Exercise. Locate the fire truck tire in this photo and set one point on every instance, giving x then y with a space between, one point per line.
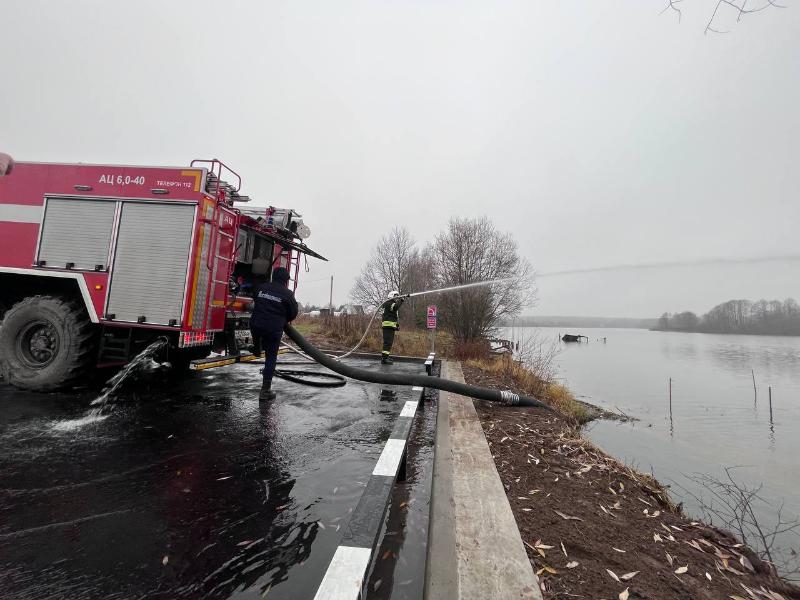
46 343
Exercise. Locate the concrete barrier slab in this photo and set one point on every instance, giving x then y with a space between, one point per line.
475 549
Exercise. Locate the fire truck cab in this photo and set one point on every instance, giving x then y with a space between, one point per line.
97 262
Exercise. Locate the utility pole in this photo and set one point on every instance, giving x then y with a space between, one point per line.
330 304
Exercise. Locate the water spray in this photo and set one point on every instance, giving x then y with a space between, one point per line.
457 287
675 263
411 295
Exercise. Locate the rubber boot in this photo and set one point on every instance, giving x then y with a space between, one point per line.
266 393
386 360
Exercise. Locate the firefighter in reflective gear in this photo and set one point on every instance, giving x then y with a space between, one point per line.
391 323
275 306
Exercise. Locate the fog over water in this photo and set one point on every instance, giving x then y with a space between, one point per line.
651 290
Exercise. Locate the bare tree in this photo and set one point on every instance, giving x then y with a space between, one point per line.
472 250
388 268
419 277
737 8
737 508
6 164
538 355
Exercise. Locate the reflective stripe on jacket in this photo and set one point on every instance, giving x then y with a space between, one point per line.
390 312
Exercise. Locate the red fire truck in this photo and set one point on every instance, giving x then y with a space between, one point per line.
97 262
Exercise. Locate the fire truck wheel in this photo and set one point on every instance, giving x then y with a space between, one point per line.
46 343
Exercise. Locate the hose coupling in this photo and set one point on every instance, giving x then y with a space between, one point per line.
509 398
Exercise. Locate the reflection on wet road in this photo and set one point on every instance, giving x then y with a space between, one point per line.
187 488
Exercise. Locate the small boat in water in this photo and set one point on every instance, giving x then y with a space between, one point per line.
500 346
568 337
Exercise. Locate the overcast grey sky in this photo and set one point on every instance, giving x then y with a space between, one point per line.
598 133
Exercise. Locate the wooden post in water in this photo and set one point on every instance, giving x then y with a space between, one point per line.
770 404
670 398
755 391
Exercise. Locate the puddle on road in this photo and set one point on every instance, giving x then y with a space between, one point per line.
188 488
142 362
73 424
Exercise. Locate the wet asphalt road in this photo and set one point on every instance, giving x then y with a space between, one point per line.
186 487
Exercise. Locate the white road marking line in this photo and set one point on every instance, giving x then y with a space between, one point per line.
409 408
389 460
345 574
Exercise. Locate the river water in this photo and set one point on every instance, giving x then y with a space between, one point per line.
717 421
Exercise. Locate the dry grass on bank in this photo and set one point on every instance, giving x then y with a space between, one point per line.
345 331
533 379
307 326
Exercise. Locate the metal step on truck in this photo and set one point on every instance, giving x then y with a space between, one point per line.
97 262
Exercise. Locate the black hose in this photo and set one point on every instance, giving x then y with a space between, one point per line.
504 397
300 377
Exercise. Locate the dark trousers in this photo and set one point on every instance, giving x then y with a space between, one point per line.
388 340
269 343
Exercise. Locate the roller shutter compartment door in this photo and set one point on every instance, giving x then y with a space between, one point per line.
76 231
151 262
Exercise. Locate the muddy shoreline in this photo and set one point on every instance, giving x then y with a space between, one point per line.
594 528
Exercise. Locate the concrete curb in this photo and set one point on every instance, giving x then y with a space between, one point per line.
350 566
474 549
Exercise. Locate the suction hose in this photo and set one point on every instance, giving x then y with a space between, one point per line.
503 397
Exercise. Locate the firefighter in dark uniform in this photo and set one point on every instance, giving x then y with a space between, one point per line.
391 323
275 306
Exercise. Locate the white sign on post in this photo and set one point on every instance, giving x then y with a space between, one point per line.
432 314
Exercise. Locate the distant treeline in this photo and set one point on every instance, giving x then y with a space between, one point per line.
544 321
765 317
